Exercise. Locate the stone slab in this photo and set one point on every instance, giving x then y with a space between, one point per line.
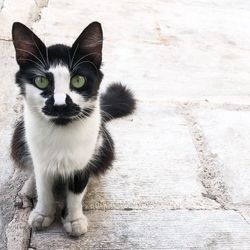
228 136
156 164
13 12
165 49
156 229
81 13
1 4
8 100
9 109
8 194
18 231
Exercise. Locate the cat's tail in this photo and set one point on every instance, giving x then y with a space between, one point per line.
117 101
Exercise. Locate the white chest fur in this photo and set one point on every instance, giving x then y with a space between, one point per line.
61 149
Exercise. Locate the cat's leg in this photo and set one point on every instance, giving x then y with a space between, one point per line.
29 188
74 221
44 212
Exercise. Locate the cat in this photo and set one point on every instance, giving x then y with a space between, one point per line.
62 134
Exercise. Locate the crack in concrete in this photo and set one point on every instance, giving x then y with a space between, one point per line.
210 176
6 39
1 5
244 218
36 13
8 194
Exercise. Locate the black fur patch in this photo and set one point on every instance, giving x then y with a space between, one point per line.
62 111
59 54
117 101
83 114
61 121
64 212
106 154
19 148
79 181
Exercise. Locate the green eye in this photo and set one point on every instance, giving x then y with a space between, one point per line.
41 82
78 81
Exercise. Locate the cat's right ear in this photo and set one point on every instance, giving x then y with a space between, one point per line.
89 44
29 48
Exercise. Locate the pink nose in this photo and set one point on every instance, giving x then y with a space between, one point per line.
59 98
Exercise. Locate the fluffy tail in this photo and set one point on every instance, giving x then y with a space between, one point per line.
117 101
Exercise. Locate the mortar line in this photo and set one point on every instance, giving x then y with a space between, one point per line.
198 104
241 215
210 176
2 39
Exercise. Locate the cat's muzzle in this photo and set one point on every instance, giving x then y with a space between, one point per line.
66 109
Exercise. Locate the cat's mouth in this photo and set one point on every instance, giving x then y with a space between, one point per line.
62 111
64 114
62 120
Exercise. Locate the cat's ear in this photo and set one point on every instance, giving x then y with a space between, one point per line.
29 48
89 44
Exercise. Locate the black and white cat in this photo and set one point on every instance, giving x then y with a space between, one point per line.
62 133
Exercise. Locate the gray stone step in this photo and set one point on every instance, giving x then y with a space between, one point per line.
228 136
156 164
157 229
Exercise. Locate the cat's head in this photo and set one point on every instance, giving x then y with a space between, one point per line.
59 82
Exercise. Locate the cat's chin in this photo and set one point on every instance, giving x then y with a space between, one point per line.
61 121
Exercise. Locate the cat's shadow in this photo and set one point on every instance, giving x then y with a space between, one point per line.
96 197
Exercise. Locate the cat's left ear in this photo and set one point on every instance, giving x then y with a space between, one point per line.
29 48
89 44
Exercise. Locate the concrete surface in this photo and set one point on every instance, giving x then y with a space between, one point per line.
172 48
1 4
141 230
132 182
228 136
181 178
9 182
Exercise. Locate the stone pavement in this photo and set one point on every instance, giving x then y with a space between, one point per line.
182 175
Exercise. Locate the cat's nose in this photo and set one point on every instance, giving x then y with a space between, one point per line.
61 99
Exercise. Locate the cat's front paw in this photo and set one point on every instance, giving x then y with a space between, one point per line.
39 221
76 227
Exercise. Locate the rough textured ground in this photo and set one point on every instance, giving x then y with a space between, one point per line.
182 175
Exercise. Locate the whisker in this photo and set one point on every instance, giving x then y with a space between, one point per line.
92 164
39 66
72 60
93 44
105 133
39 51
76 64
32 55
47 56
106 116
